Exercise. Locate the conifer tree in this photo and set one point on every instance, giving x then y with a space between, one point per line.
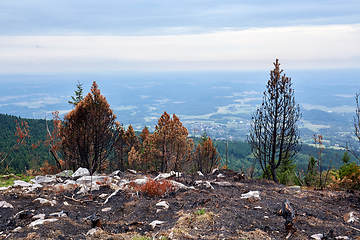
88 132
273 129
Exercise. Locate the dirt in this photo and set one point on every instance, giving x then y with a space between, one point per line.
199 213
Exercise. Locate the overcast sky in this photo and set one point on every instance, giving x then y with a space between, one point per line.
48 36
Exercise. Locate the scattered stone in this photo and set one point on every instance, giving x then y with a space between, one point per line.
80 173
156 223
167 175
4 204
24 214
350 217
220 175
223 184
266 217
43 179
42 221
251 194
106 209
58 214
163 204
200 173
206 184
4 188
45 201
214 171
342 237
132 171
258 207
17 229
103 195
65 173
39 216
93 231
318 236
117 173
20 183
66 203
111 195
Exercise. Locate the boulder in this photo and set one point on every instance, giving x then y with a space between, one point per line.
251 194
42 221
20 183
43 179
80 173
4 204
65 173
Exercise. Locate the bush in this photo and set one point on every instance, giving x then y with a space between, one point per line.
155 188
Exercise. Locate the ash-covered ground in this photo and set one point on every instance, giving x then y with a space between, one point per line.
222 205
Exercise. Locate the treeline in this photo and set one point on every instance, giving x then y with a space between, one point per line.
35 152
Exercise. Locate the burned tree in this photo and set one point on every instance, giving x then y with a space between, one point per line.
88 132
273 129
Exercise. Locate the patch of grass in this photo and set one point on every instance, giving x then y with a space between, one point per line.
200 212
164 238
8 180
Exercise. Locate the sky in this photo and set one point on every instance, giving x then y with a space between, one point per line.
67 36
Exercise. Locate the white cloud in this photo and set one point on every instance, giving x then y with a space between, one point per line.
124 108
306 47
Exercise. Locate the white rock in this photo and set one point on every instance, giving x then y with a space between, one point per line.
214 170
42 221
93 231
20 183
140 181
106 209
220 175
45 201
111 195
4 188
200 173
207 184
86 188
350 217
4 204
58 214
318 236
66 203
132 171
164 175
266 217
39 216
342 237
258 207
81 172
103 195
163 204
179 185
251 194
43 179
94 179
65 173
156 223
17 229
223 184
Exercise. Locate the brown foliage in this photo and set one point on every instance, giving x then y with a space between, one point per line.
206 156
88 132
171 141
155 188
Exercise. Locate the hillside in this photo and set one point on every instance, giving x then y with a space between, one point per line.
239 153
222 205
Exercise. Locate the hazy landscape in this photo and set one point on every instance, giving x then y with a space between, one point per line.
220 103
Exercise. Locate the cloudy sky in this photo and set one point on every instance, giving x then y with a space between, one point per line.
49 36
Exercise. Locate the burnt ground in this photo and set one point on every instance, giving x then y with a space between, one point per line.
200 213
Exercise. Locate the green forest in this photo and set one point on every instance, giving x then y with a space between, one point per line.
34 153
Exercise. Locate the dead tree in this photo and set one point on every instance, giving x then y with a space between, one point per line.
273 129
